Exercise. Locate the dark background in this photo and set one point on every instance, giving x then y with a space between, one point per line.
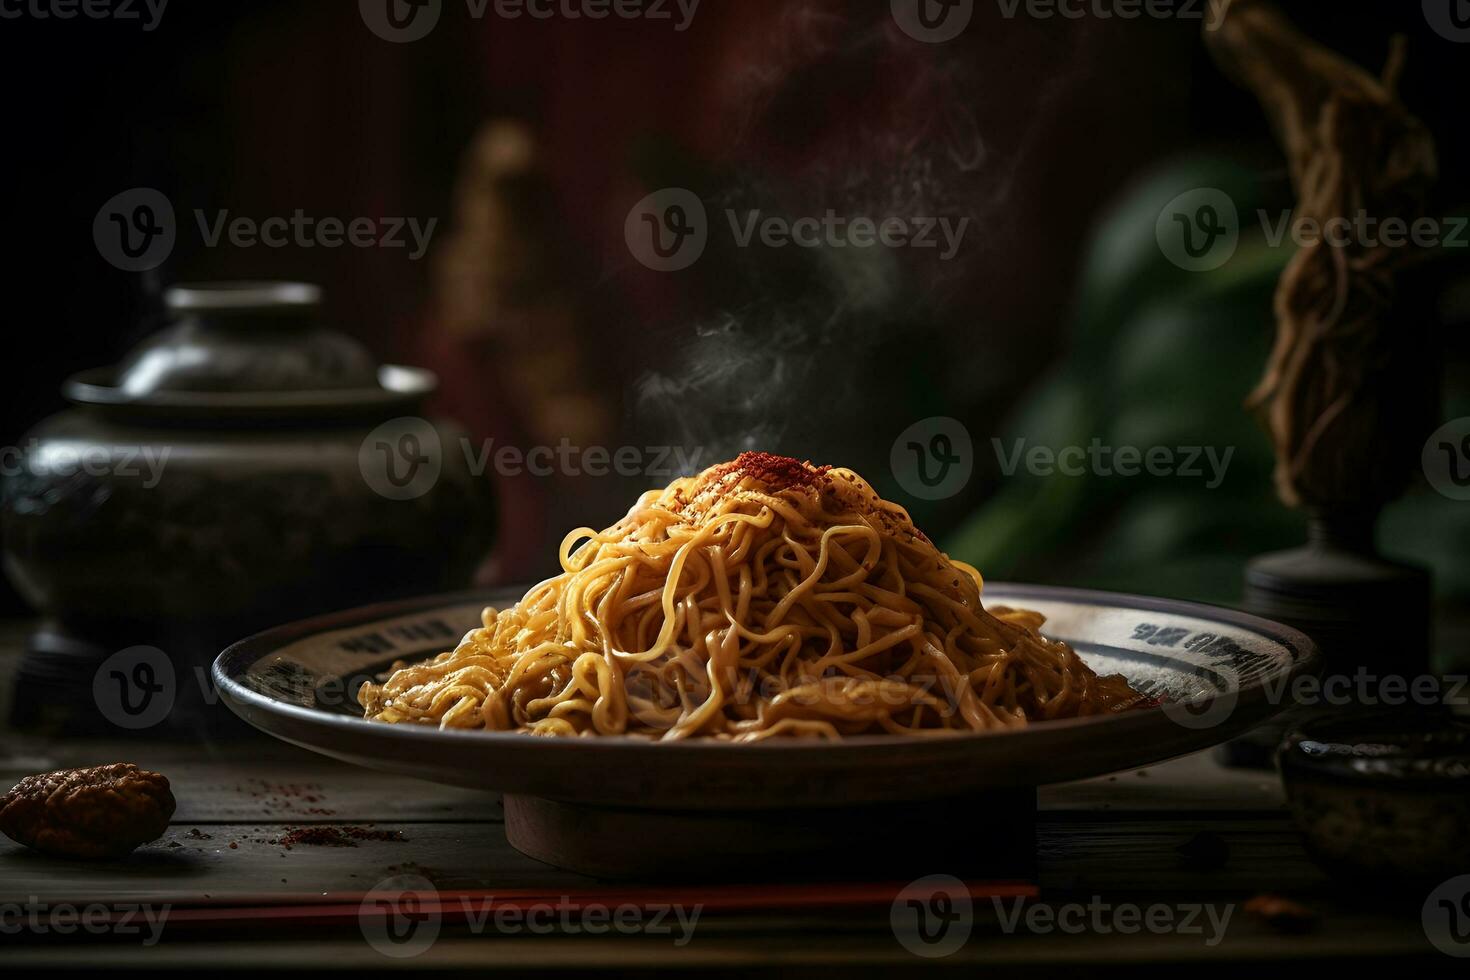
266 107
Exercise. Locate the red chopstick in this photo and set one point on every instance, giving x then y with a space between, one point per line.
456 905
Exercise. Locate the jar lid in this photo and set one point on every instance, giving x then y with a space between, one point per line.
251 349
242 296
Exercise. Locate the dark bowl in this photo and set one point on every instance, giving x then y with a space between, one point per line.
1384 794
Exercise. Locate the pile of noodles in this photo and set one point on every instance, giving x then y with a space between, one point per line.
763 597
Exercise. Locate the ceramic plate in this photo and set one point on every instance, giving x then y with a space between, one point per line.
1214 671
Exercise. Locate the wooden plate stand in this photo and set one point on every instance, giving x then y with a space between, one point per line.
991 836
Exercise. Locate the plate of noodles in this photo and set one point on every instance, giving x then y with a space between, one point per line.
765 633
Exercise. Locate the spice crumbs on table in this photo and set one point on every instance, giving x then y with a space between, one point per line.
335 836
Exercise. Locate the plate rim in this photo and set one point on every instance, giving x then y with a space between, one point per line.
245 702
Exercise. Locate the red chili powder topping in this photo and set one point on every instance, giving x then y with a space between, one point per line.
777 473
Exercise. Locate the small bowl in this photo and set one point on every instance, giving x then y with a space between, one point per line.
1383 794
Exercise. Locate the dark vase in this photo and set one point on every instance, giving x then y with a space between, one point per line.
244 467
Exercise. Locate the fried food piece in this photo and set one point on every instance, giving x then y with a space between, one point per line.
100 812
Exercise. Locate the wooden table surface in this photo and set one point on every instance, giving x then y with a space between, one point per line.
1181 835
